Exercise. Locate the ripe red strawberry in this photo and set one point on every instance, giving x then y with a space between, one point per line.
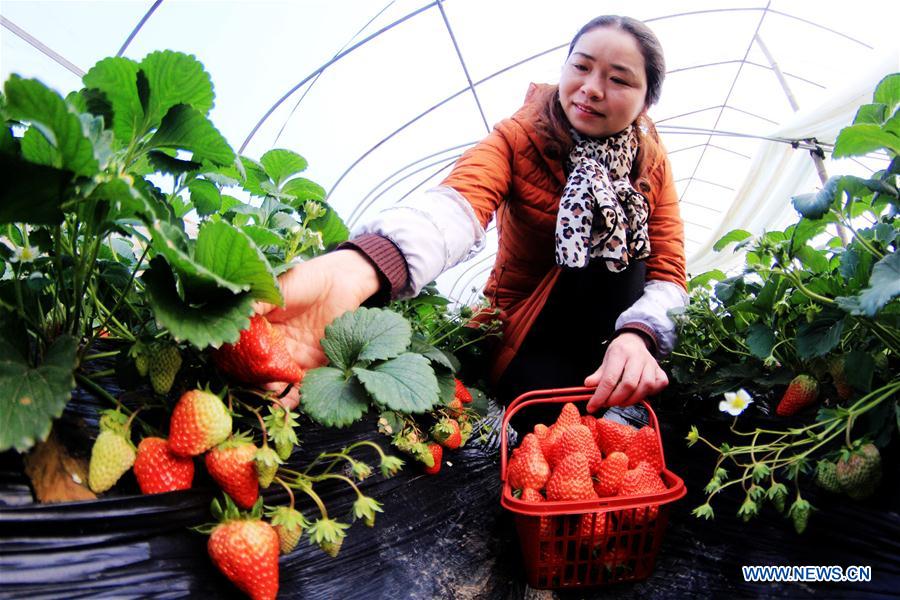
259 356
612 471
643 479
531 495
437 452
569 415
577 438
111 456
590 421
446 432
527 468
545 528
199 421
613 436
461 393
158 469
246 551
859 473
571 479
592 527
801 392
548 444
163 365
644 446
231 464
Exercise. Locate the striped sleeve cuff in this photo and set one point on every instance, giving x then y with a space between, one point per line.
645 331
388 261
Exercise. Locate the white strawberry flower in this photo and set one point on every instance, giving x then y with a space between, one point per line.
24 254
736 402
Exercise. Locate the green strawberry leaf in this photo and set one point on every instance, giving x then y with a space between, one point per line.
813 260
116 77
888 92
186 128
435 355
333 229
819 337
213 323
230 253
815 205
703 278
280 164
34 195
171 242
68 147
446 386
735 235
871 113
303 189
760 340
263 237
205 197
33 395
365 334
858 140
222 257
859 368
332 398
884 285
254 176
175 78
405 383
126 201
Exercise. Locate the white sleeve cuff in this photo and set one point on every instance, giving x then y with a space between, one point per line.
434 230
652 309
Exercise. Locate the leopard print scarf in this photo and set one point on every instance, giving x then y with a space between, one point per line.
600 214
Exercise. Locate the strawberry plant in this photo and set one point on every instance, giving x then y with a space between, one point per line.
132 235
811 325
119 224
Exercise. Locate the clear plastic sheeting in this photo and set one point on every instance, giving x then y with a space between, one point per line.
381 97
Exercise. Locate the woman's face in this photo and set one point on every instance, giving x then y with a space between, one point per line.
603 87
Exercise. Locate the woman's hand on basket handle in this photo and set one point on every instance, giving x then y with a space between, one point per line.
628 374
316 292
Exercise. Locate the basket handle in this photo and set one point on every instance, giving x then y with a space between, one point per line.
572 394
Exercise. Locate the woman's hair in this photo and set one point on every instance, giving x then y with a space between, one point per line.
554 126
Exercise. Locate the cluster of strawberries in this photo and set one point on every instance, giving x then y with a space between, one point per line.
201 424
451 431
243 546
581 457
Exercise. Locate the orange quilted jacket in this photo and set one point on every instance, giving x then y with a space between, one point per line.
509 173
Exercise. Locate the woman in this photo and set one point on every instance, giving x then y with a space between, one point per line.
591 250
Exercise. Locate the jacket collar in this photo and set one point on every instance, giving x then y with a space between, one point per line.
526 117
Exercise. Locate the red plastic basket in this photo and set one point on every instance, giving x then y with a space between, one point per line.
587 543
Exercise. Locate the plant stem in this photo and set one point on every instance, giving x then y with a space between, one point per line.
99 391
349 481
305 485
122 295
862 241
287 489
100 355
